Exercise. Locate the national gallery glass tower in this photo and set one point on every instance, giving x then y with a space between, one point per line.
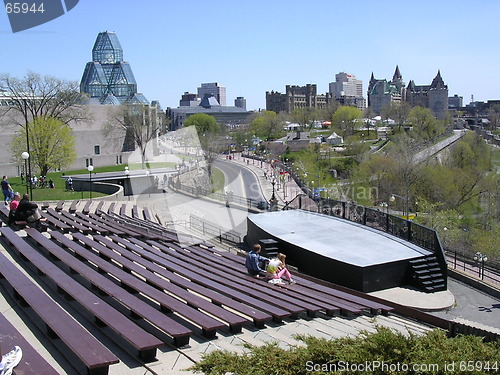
108 78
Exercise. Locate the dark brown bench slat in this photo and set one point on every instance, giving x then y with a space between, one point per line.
111 208
259 290
95 356
73 206
119 228
178 267
106 247
32 363
258 316
208 324
178 332
59 205
99 206
56 222
86 208
331 307
135 211
123 209
143 342
146 214
68 221
84 222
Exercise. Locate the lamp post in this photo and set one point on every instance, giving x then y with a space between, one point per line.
125 183
273 201
406 206
90 168
26 156
480 259
28 173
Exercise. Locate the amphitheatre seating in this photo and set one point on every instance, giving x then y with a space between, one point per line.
135 211
278 309
68 221
234 321
86 208
65 228
258 317
135 306
131 283
111 208
55 321
146 214
32 363
59 205
144 343
73 206
99 206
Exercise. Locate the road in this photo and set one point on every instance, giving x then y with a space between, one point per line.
241 181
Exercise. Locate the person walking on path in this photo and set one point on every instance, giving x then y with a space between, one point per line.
254 262
8 194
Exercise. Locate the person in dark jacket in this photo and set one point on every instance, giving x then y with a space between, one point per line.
27 211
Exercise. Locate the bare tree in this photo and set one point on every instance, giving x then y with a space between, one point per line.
137 125
34 96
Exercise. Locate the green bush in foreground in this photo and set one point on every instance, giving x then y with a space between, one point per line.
382 352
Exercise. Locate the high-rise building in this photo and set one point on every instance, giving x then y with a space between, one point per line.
348 90
107 77
240 102
214 89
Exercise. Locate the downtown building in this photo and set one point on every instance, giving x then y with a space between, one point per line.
347 90
383 93
296 97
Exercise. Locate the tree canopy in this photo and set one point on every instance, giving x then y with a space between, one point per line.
344 119
46 97
52 144
267 125
204 123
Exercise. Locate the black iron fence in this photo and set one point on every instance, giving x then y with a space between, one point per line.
212 230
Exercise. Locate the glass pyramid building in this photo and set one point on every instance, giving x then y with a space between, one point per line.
107 77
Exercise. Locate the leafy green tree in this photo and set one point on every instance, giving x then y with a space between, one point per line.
305 116
345 119
52 144
204 123
267 125
425 125
209 135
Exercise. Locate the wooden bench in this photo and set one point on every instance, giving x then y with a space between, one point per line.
123 209
144 343
111 208
135 306
146 214
167 303
179 267
84 222
119 229
32 363
259 318
65 228
135 211
57 322
73 206
242 281
68 221
86 208
106 248
59 205
99 206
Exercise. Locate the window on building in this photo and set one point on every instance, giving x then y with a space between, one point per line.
97 150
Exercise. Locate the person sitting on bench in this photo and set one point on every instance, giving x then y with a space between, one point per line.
27 211
276 269
255 261
14 203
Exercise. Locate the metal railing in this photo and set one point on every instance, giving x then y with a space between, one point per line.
223 235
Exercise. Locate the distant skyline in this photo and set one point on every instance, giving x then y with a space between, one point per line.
252 47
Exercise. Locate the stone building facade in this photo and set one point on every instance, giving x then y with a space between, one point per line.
296 97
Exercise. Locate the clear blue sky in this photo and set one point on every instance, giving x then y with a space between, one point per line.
256 46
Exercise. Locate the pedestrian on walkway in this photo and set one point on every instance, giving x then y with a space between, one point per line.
255 262
8 194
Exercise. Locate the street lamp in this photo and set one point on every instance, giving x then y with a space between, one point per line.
90 168
26 156
273 201
406 206
480 259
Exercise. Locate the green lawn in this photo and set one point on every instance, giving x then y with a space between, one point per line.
60 192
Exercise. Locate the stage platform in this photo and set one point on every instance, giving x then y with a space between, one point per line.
337 250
